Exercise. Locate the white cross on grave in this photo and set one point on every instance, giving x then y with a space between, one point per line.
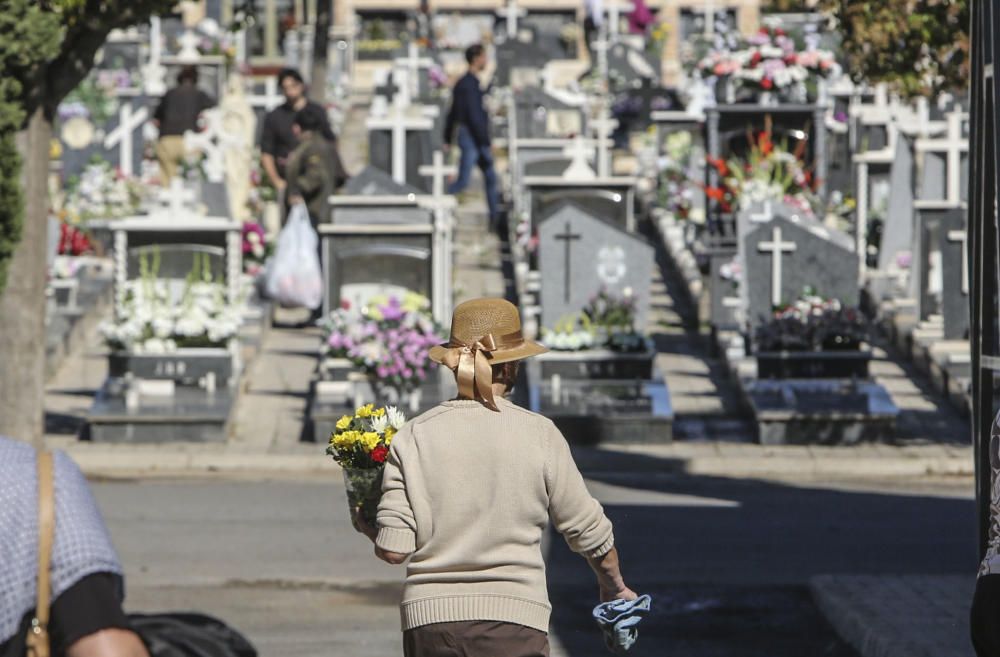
511 12
271 98
121 136
776 248
412 64
212 141
438 171
954 144
176 198
604 126
154 73
614 16
580 153
398 122
601 46
962 237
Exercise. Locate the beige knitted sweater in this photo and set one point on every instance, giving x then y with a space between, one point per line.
468 492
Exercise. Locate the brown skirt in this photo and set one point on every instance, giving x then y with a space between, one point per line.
475 639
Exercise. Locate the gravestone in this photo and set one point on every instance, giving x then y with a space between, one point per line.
373 197
897 234
513 58
401 142
580 254
782 256
541 115
556 33
955 276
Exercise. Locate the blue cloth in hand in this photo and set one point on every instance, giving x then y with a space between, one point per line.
619 621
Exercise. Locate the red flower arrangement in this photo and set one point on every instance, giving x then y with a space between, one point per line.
73 241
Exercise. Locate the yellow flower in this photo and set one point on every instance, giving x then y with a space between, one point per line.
389 433
369 440
378 412
346 440
365 411
344 422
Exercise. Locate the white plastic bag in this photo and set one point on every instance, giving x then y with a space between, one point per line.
294 277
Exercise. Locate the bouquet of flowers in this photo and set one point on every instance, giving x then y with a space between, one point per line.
607 321
676 189
770 172
101 192
256 247
360 445
388 339
813 323
155 321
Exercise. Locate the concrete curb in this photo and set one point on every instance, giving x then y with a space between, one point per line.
706 459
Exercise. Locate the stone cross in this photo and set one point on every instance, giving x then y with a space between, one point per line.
398 122
954 144
604 126
412 63
614 13
568 236
776 248
511 12
128 122
962 237
209 142
580 153
601 46
271 98
154 73
438 171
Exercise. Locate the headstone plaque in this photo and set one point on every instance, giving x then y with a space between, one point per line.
580 254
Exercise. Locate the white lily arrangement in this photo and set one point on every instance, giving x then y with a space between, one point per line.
159 321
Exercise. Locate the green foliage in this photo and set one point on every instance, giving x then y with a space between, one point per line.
46 48
917 47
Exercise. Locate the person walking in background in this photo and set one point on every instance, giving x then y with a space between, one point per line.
86 617
176 114
468 115
314 170
278 140
469 488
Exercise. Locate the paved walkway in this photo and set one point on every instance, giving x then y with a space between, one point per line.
901 615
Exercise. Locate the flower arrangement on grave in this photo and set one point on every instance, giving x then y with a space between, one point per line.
656 39
100 192
73 240
375 37
155 321
676 189
256 248
813 323
769 61
95 97
388 339
360 445
770 172
63 269
606 321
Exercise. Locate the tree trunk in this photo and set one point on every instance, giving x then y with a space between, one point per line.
321 41
22 304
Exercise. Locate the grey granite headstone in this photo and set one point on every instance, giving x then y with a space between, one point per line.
802 253
361 266
580 254
897 235
514 54
216 199
420 146
555 166
955 275
373 181
930 269
533 109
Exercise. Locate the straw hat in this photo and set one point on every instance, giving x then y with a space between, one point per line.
484 332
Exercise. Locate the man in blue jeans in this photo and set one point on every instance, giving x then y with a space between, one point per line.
469 115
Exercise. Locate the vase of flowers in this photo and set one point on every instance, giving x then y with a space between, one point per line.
360 445
387 340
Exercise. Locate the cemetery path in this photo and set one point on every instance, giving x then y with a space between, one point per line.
706 405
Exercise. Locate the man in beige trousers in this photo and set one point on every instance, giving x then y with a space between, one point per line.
468 490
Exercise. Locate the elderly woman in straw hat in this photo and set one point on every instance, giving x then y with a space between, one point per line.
469 488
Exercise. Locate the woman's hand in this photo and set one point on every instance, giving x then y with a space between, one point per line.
362 525
624 593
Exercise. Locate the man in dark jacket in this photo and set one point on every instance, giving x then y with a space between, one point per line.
314 170
176 114
469 115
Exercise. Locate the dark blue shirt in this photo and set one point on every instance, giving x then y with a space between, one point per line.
467 109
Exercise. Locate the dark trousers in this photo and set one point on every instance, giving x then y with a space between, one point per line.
475 639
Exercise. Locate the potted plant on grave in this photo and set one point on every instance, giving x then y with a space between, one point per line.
159 332
813 338
387 341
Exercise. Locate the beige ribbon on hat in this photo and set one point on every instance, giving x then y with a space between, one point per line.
472 366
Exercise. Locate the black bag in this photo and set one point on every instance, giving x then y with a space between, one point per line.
189 635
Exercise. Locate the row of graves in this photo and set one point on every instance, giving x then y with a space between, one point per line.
171 269
756 209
